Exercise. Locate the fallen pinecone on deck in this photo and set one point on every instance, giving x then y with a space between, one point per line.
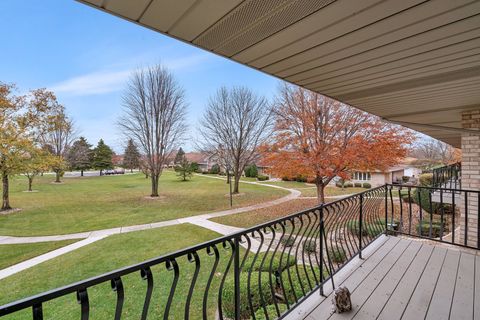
341 300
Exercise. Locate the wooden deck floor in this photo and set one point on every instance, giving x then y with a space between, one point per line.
408 279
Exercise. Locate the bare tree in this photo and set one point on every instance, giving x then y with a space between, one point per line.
57 136
436 150
154 117
235 123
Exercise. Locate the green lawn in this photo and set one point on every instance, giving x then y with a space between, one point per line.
331 191
11 254
252 218
309 190
114 252
92 203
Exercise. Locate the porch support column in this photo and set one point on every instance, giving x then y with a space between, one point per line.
470 176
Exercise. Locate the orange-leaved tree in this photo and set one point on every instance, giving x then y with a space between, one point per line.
320 138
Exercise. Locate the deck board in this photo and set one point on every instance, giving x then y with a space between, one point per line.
366 287
442 297
462 304
397 302
410 279
323 311
374 303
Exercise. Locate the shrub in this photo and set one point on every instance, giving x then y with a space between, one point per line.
271 311
228 294
426 179
348 185
367 185
339 184
301 178
286 179
296 284
405 179
436 229
337 254
195 167
215 169
288 241
251 171
368 229
358 185
309 246
262 178
286 262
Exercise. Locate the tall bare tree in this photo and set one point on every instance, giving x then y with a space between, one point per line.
58 136
154 117
235 124
436 150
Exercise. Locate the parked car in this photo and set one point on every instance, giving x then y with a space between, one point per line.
119 171
109 172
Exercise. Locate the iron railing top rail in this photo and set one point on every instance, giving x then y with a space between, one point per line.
115 274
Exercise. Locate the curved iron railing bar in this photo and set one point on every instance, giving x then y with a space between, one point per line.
171 265
308 228
249 276
272 228
247 251
289 276
117 286
192 258
311 234
262 263
278 272
227 268
301 244
37 312
82 298
210 277
146 274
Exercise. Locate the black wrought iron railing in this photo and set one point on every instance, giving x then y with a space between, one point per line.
448 176
259 273
448 215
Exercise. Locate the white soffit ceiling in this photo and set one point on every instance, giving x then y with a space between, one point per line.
411 61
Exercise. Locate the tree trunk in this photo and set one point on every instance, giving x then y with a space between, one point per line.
155 178
131 170
57 176
81 173
30 182
5 197
320 192
236 184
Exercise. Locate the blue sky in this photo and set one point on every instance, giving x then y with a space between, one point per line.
85 56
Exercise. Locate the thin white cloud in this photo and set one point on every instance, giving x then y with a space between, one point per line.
107 81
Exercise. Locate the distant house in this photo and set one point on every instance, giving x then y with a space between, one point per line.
395 174
204 161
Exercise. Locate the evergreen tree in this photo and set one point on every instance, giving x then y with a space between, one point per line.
179 158
184 169
79 156
102 157
131 158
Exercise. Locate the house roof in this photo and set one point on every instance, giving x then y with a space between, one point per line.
198 157
413 62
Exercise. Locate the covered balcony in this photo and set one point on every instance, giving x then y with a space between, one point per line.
404 252
398 252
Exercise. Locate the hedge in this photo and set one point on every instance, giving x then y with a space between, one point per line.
228 294
287 261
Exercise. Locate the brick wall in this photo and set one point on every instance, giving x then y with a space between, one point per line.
470 175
